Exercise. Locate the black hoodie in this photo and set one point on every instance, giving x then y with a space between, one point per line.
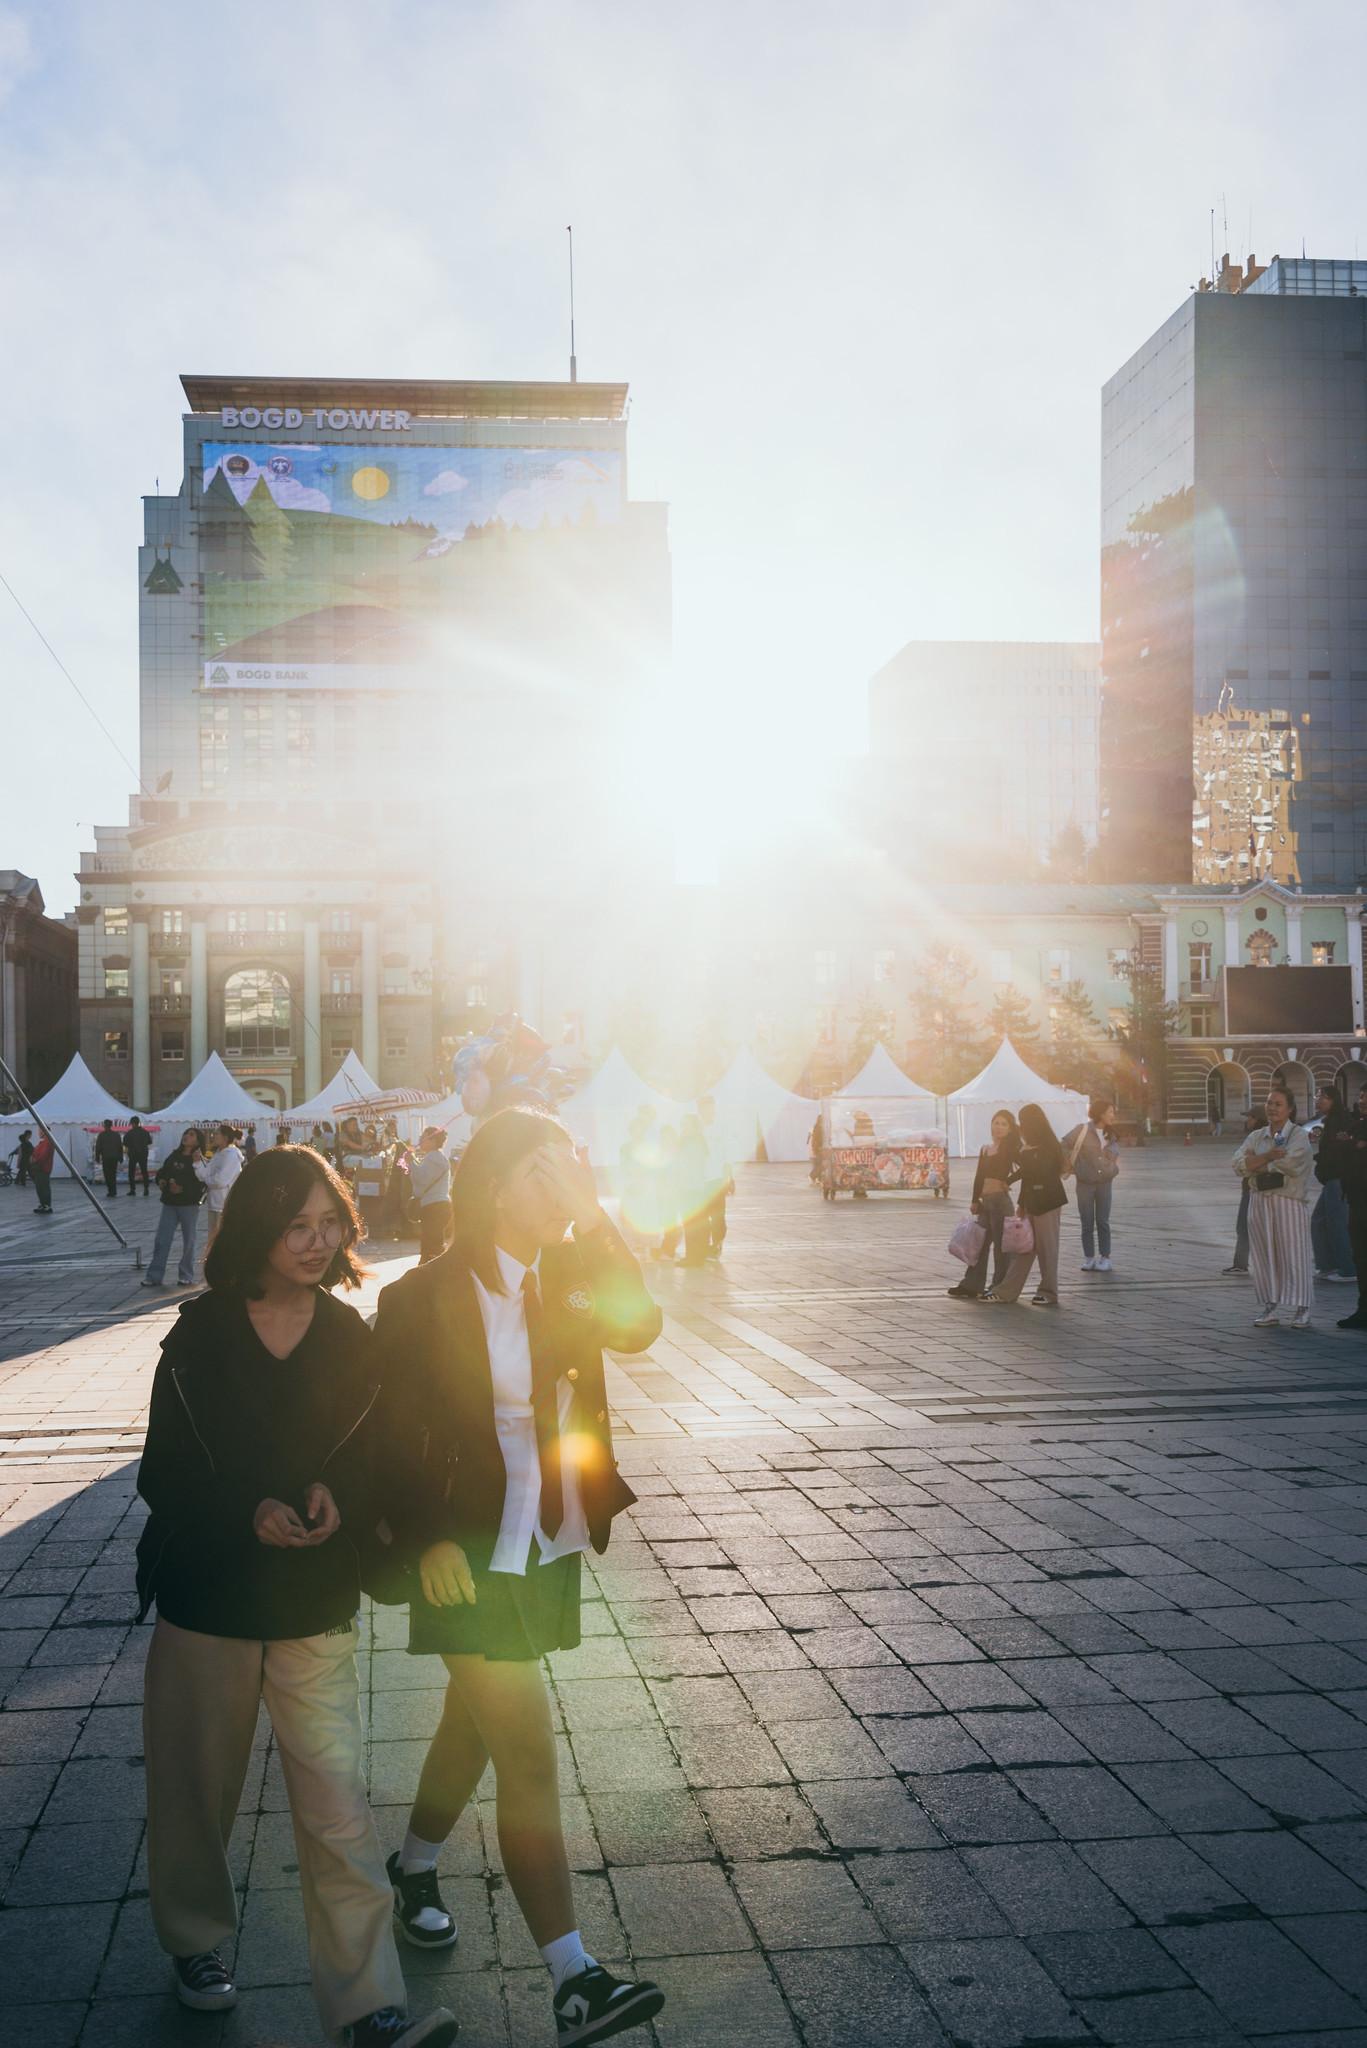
231 1426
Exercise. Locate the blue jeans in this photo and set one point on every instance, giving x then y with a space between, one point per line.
1329 1232
1094 1214
173 1217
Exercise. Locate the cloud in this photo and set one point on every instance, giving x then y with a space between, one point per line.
17 54
571 485
447 481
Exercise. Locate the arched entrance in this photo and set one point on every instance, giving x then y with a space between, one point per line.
1228 1092
1350 1080
269 1094
1297 1077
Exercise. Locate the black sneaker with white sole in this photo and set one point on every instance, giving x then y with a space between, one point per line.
204 1982
421 1917
392 2028
595 2004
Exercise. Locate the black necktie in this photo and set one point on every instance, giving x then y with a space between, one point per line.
545 1408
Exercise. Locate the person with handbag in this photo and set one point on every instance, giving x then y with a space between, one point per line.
265 1492
1092 1152
991 1204
1277 1166
1038 1173
495 1408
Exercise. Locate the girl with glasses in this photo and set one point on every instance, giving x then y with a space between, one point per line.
496 1412
259 1474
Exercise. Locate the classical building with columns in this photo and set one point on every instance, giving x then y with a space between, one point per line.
398 646
37 986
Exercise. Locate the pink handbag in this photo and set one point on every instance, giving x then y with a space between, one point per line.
968 1240
1018 1237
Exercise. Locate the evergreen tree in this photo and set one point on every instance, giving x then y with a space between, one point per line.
1142 1036
1076 1036
1010 1017
945 1035
874 1024
1067 860
271 540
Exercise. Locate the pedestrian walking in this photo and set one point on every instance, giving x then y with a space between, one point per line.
1329 1237
1092 1154
496 1412
24 1150
137 1149
991 1204
1348 1155
42 1159
248 1146
1254 1120
1277 1166
216 1172
181 1195
1038 1173
108 1155
720 1183
260 1476
429 1176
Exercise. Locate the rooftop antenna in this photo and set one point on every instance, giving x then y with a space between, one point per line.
574 362
1212 248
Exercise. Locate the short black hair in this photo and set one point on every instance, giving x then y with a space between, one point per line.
268 1193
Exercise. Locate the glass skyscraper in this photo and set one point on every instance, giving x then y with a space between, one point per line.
1234 585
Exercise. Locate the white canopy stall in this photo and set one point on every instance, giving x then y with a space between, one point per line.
213 1097
350 1079
880 1075
1006 1082
752 1105
73 1109
600 1114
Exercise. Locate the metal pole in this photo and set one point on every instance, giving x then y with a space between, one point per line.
79 1179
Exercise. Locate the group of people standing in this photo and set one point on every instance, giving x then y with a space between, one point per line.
673 1184
1019 1198
1282 1242
457 1458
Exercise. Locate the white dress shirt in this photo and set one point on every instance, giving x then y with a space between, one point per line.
510 1365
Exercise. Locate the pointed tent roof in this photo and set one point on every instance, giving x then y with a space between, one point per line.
881 1075
350 1081
751 1103
214 1093
77 1098
600 1113
1007 1078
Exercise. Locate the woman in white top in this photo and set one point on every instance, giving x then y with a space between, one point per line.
218 1170
495 1418
1278 1166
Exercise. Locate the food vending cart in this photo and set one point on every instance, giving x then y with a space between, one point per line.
880 1144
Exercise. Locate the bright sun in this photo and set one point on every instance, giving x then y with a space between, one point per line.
370 483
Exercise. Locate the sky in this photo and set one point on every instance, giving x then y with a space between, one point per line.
865 267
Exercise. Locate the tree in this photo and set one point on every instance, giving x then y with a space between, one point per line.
1010 1017
1076 1036
271 540
1067 860
874 1024
1142 1035
944 1033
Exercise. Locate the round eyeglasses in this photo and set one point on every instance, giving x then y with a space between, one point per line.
301 1237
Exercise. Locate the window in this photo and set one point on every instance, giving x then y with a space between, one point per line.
238 920
173 924
172 981
477 995
213 748
116 923
256 1013
341 981
1119 958
999 964
1058 966
827 1024
396 1045
1118 1020
116 981
339 920
1261 947
173 1045
300 741
116 1045
338 1048
823 967
1199 956
277 920
258 746
883 963
396 981
1321 952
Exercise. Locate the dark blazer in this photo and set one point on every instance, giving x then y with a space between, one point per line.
436 1408
1037 1171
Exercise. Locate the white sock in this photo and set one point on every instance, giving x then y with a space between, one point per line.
565 1957
418 1855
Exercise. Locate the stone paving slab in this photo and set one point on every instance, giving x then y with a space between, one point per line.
974 1677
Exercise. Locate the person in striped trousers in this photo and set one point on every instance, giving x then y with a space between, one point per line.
1278 1167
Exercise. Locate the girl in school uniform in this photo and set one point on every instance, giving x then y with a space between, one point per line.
495 1407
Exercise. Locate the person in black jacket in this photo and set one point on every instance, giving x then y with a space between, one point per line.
108 1153
495 1409
181 1194
261 1477
137 1149
991 1204
1343 1152
1039 1174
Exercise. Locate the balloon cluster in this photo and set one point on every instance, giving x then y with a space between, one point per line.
509 1064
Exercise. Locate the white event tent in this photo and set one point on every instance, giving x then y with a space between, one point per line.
350 1079
213 1097
880 1075
1006 1082
73 1110
600 1114
752 1105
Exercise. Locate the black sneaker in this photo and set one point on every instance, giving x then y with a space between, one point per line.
390 2028
418 1909
203 1982
1356 1321
595 2004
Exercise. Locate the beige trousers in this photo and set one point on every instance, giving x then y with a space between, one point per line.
1046 1251
199 1717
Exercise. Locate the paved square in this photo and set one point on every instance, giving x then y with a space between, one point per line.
963 1675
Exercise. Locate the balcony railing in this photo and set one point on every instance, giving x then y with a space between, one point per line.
1200 991
340 1005
344 943
255 942
169 1006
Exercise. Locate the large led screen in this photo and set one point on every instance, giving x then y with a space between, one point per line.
336 567
1288 1002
